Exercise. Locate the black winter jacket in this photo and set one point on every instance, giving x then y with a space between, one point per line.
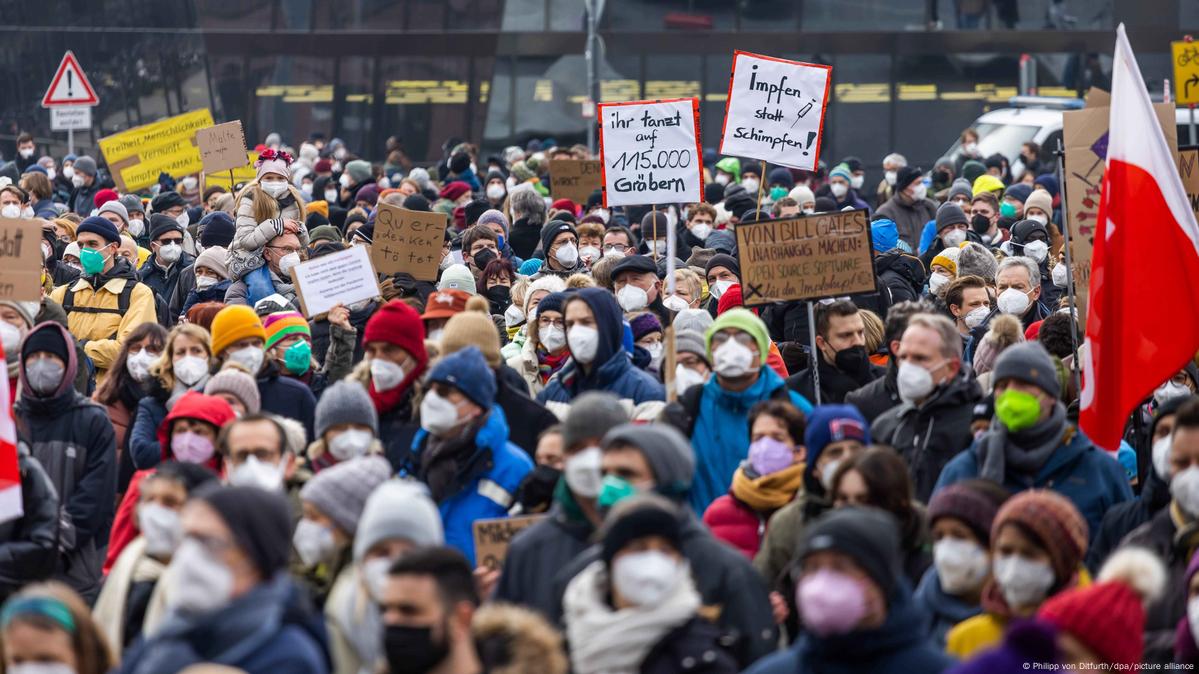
695 647
1122 518
876 397
27 543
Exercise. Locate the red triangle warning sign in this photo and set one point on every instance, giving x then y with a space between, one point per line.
69 86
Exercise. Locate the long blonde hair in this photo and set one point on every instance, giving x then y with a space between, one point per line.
163 369
265 206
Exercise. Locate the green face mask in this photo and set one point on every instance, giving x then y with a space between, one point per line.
613 490
1017 410
1007 210
777 193
92 261
298 357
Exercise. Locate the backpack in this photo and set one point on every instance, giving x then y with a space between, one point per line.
68 304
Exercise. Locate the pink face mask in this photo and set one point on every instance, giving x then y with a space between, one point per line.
768 455
190 447
831 603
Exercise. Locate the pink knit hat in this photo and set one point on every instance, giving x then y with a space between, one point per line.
273 161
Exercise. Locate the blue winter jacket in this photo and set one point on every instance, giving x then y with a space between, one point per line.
144 448
721 433
616 375
899 646
488 491
941 611
286 397
1078 470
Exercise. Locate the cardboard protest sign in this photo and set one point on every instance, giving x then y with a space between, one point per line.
343 277
136 157
408 241
775 110
575 179
222 147
650 152
20 259
805 258
1084 136
1188 170
493 536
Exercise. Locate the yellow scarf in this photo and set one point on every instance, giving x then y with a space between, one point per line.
769 492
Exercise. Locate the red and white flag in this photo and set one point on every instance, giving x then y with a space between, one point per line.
10 473
1141 326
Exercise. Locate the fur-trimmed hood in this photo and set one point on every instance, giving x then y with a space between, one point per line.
515 640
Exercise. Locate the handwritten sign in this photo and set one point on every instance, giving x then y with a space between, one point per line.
222 147
650 152
775 110
20 260
576 179
1188 170
805 258
136 157
493 536
242 173
408 241
343 277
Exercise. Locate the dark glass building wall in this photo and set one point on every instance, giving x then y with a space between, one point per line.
500 72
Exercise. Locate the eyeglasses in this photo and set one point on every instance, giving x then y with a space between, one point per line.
743 338
618 247
167 242
285 249
547 322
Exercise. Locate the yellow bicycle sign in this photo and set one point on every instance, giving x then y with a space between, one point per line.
1185 56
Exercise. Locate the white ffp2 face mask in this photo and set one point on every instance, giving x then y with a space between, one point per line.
200 582
732 359
962 566
249 357
1012 301
632 298
1024 582
385 375
646 578
584 343
582 472
438 415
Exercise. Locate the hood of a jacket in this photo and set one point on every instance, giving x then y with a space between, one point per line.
910 268
609 321
195 405
69 372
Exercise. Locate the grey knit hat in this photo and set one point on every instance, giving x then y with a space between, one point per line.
85 164
398 509
698 320
345 402
592 415
950 214
690 341
117 207
1030 363
665 449
238 384
28 310
960 187
340 491
132 204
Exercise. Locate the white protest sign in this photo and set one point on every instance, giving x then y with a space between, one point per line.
775 110
650 152
343 277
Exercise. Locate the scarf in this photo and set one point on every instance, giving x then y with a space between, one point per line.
767 493
351 611
386 401
548 364
1024 452
604 640
444 460
132 566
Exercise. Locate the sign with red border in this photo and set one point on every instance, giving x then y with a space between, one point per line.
70 85
650 152
775 110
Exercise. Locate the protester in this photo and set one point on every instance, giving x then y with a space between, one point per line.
47 628
182 366
428 603
394 340
843 362
125 386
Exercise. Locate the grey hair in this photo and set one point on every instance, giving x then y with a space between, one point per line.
896 158
1034 272
951 341
528 204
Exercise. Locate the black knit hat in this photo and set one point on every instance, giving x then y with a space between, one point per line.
721 260
165 200
162 224
868 536
260 522
417 202
907 175
551 230
47 339
216 229
474 209
638 517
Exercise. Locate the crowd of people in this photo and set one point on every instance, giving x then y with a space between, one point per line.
211 477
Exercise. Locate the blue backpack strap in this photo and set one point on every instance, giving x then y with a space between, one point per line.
258 285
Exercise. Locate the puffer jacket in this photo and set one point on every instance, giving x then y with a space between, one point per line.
902 274
737 524
527 366
909 216
27 543
72 438
929 435
485 483
163 281
265 282
251 236
96 319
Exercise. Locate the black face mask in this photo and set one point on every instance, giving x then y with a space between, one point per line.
412 650
853 360
981 224
483 257
537 489
499 297
941 177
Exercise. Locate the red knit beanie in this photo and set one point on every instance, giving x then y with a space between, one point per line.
399 324
730 299
1109 617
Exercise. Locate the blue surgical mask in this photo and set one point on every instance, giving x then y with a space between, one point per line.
500 241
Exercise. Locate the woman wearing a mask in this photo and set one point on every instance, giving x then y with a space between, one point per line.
126 384
766 481
130 583
394 340
544 350
636 609
495 283
266 208
347 426
960 517
188 435
647 337
182 366
48 630
212 278
73 440
1038 541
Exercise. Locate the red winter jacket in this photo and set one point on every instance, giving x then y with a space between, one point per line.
736 524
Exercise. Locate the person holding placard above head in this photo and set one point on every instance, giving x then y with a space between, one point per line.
108 301
267 208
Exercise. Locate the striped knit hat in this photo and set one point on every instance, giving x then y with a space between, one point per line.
283 323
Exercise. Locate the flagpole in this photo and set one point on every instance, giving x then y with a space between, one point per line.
1074 364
